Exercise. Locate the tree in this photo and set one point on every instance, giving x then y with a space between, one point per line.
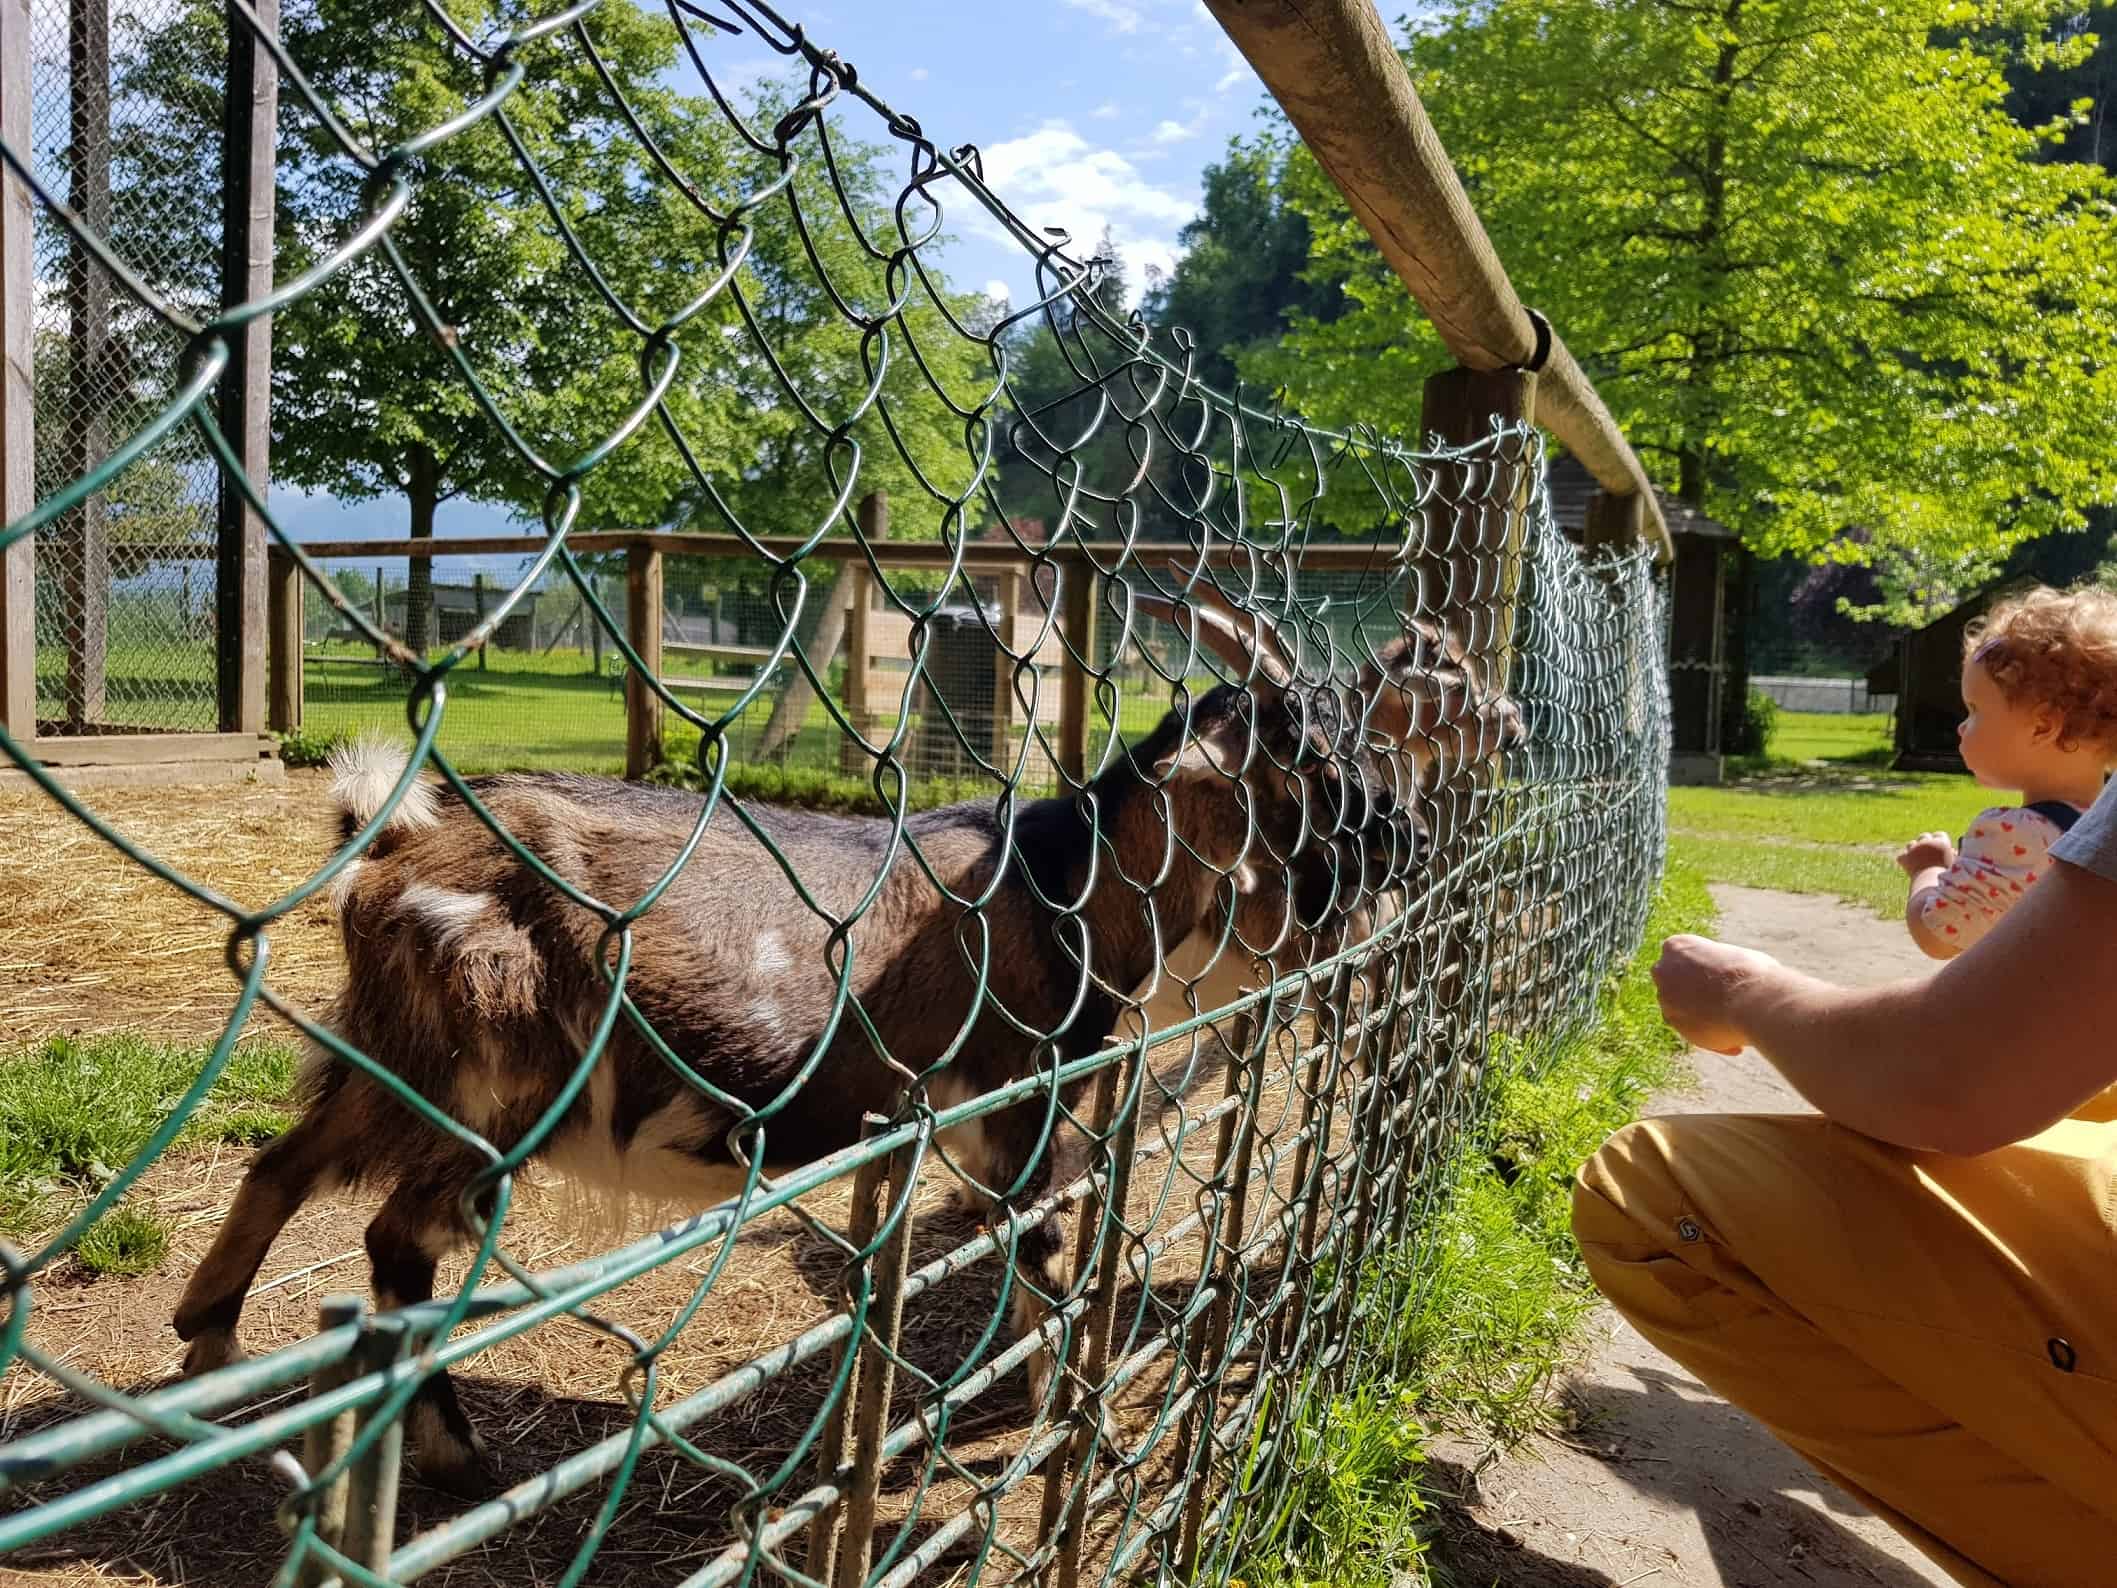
1821 278
368 402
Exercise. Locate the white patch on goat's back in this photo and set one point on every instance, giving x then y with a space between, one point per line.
447 912
342 885
772 956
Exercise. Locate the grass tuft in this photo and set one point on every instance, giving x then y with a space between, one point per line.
127 1241
76 1110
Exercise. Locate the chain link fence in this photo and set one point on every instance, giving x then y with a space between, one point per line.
1038 1166
126 623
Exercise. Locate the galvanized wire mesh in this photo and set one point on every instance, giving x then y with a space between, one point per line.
126 623
1201 1030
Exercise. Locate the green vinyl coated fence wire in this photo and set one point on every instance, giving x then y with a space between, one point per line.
748 331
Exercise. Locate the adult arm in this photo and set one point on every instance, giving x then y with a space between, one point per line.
2001 1042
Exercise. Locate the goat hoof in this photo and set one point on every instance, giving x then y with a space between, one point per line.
215 1348
448 1452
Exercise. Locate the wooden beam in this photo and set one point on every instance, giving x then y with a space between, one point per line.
250 133
873 516
145 749
18 269
1334 69
1349 556
284 649
643 631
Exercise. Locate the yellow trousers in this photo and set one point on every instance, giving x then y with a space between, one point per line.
1938 1336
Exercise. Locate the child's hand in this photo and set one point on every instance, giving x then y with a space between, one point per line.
1926 851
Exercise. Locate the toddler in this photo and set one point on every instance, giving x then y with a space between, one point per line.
2040 704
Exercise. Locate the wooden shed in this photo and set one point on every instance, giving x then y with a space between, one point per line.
1925 673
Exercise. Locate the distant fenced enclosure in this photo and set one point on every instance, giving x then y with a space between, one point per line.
1305 771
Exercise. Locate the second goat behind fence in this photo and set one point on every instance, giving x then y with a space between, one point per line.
803 970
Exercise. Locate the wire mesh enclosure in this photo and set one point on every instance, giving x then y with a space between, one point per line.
125 632
985 1177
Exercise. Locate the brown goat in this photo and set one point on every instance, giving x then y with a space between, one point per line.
475 982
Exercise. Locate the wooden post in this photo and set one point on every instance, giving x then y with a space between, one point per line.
284 658
643 631
1477 519
249 135
873 519
1615 521
1003 663
18 268
1077 657
85 569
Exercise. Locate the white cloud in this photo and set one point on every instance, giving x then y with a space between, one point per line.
919 74
1122 18
1238 69
1173 132
998 290
1106 111
1055 177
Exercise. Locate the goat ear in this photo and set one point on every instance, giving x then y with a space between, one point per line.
1403 687
1217 751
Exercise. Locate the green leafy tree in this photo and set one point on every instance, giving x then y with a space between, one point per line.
368 403
1821 277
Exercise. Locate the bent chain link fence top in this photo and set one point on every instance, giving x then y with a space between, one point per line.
707 310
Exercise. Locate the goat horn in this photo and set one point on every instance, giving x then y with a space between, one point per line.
1219 629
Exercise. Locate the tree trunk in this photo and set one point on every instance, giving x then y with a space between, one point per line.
423 488
824 624
824 632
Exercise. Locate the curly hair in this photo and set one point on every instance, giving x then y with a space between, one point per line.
2056 649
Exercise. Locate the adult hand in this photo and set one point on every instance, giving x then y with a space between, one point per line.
1697 979
1926 851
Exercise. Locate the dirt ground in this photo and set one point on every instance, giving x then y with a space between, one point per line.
1659 1482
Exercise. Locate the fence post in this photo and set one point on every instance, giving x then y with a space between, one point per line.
325 1442
1614 521
643 631
249 134
284 631
878 1367
477 597
18 269
834 1451
1003 668
1077 656
859 631
1472 559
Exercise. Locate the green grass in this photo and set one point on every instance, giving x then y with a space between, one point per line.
126 1241
74 1111
1479 1315
1819 815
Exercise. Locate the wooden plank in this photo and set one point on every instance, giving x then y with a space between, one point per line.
142 749
18 267
1335 70
250 122
643 631
284 650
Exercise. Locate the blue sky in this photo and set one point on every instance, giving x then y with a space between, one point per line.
1089 114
